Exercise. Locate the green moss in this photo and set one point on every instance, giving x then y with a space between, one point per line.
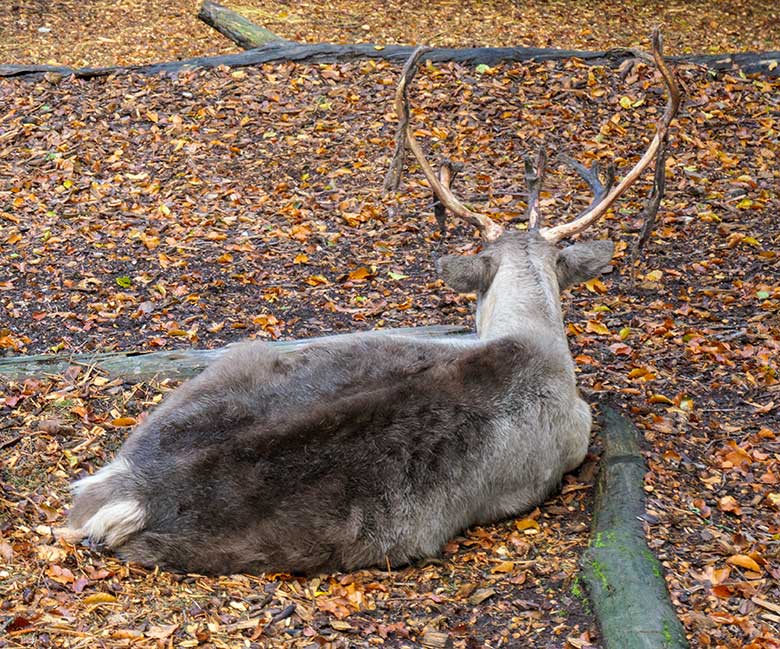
654 565
667 634
599 572
578 592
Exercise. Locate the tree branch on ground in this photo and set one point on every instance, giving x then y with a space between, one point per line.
181 363
624 579
234 26
767 63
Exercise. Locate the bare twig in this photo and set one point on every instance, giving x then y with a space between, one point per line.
393 177
650 211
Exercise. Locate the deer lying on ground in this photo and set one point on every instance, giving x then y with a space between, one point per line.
369 450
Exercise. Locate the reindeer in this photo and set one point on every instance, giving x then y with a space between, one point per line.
370 450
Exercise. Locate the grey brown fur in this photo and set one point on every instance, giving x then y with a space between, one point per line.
359 452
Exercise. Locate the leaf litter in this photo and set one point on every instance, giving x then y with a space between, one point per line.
152 212
105 32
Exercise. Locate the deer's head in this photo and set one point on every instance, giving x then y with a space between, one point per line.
528 267
521 274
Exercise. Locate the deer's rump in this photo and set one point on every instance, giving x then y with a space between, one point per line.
298 463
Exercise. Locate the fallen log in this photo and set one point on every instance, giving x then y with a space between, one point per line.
234 26
623 577
182 363
767 63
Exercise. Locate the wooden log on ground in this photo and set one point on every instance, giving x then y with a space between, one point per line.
623 577
234 26
767 63
180 364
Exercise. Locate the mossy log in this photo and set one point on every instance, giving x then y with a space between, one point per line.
183 363
624 578
234 26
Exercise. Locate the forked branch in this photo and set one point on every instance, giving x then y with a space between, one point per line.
487 227
653 203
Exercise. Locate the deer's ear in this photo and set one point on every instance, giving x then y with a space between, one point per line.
472 274
583 261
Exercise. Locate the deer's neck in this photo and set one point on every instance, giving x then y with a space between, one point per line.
524 305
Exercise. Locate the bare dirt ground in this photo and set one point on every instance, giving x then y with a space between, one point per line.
151 212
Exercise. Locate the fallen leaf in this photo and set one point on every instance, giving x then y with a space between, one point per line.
101 598
743 561
729 504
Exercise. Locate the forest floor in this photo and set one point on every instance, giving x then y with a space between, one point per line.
128 32
156 212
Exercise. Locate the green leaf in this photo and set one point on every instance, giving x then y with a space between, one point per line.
762 295
483 69
124 281
397 275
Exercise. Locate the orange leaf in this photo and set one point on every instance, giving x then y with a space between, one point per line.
60 575
738 455
527 524
595 327
743 561
504 567
359 274
724 592
621 349
99 598
122 422
316 280
729 504
336 606
595 286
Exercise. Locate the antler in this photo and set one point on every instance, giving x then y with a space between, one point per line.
447 172
487 227
534 177
591 175
657 147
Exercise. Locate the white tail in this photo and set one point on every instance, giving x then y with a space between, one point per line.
104 511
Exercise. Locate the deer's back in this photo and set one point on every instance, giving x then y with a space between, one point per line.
331 457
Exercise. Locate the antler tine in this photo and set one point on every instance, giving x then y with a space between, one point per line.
657 146
448 170
591 175
534 177
487 227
